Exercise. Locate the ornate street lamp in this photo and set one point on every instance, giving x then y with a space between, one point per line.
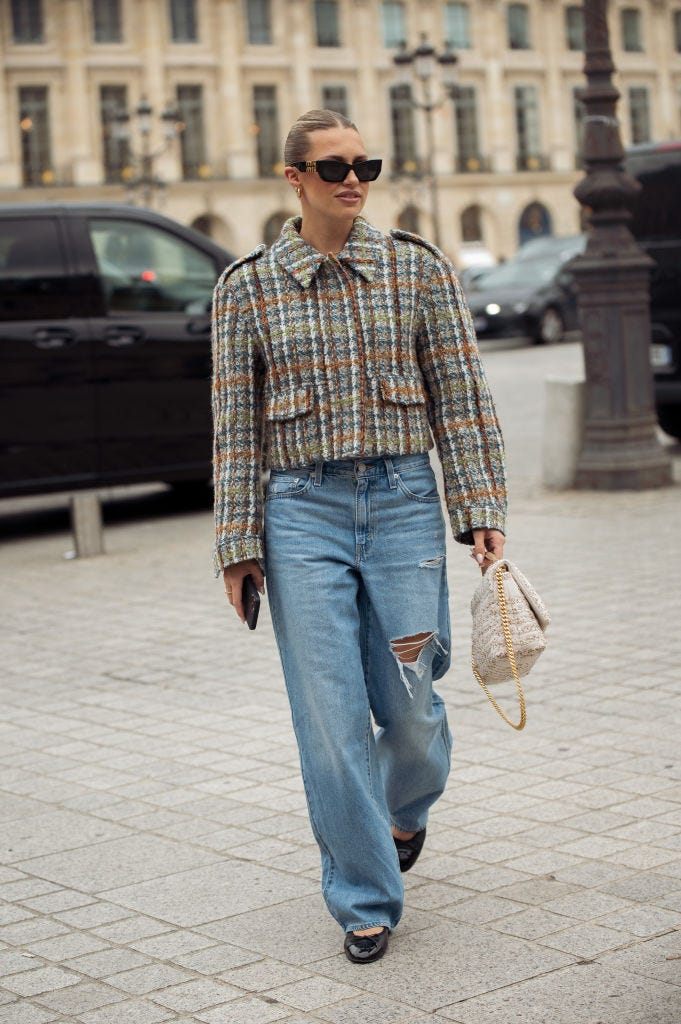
420 65
620 447
144 158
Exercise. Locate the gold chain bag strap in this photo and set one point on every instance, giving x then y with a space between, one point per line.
509 623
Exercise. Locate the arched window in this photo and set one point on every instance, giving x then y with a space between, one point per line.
273 226
408 220
471 224
535 220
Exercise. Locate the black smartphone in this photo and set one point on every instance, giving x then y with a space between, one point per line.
250 598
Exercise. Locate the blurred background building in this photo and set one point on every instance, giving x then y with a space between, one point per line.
184 104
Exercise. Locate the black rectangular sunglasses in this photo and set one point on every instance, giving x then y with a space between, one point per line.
336 170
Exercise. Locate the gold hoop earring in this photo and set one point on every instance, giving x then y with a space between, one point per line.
299 191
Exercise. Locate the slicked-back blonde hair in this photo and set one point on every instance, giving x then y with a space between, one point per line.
297 145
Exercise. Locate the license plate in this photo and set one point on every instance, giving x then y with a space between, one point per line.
660 356
480 323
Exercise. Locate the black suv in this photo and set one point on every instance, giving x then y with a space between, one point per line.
104 347
656 225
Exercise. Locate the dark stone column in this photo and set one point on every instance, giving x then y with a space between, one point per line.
620 447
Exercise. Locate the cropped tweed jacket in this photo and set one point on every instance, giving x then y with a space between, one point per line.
362 353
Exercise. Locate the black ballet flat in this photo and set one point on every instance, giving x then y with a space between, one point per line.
408 850
364 949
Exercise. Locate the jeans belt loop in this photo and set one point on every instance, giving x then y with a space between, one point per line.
318 474
390 470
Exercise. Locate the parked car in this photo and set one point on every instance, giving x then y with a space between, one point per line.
656 224
104 347
529 297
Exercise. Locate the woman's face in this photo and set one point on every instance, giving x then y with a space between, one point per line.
340 200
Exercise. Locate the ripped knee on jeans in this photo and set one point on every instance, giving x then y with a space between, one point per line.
408 648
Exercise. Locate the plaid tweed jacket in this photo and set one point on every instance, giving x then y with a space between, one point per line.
363 353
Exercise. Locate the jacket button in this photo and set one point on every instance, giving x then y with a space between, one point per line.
361 468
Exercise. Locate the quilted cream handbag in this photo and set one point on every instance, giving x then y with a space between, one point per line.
509 622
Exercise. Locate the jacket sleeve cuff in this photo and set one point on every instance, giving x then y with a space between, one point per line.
238 550
480 517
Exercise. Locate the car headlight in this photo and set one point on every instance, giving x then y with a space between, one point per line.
492 309
520 307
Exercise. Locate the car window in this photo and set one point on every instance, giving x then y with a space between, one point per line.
520 272
146 269
32 270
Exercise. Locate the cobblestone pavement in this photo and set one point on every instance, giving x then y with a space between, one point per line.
158 863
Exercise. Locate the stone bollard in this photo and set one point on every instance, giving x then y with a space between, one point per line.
563 429
86 524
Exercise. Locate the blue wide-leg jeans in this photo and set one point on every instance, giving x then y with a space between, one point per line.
355 560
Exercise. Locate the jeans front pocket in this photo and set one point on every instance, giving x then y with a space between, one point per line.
288 484
417 482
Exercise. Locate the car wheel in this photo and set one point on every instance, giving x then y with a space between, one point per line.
550 328
670 420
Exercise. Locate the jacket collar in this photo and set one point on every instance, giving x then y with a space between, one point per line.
301 260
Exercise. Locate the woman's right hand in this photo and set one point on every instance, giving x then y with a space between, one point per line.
233 576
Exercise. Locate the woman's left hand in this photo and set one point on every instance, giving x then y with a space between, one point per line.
487 540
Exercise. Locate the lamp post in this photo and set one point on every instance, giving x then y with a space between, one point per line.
620 448
420 65
144 158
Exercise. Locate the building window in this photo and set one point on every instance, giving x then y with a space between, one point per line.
574 28
402 124
457 26
259 20
326 23
106 21
528 136
113 100
631 30
183 21
192 137
466 115
335 97
677 31
392 20
27 21
518 18
639 114
35 135
578 120
409 220
471 224
266 128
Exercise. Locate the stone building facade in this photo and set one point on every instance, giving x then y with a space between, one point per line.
238 72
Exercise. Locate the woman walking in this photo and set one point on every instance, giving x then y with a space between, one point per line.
337 351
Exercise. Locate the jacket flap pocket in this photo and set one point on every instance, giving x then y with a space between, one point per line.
402 389
287 404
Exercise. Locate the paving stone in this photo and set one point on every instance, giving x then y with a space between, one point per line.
196 995
78 998
582 994
658 958
586 906
63 899
643 921
263 975
586 941
369 1010
208 893
107 962
171 944
531 924
131 929
130 859
643 887
22 932
10 914
44 979
92 915
66 946
141 980
51 832
136 1011
244 1011
311 993
216 958
481 909
25 1014
12 961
